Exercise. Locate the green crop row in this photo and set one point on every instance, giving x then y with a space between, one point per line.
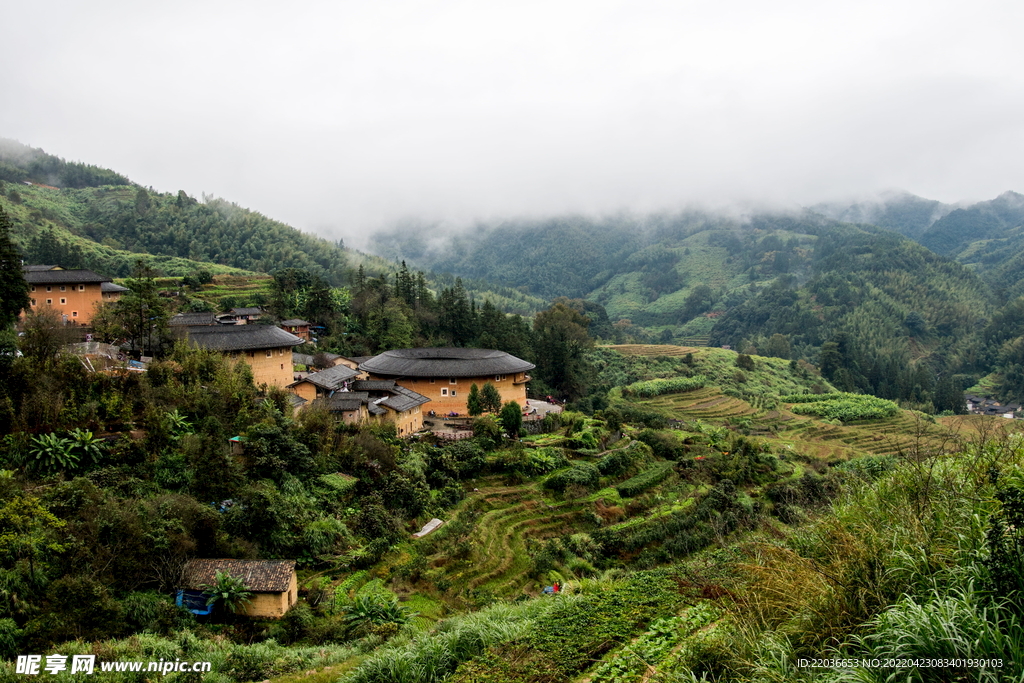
657 387
849 407
815 398
644 480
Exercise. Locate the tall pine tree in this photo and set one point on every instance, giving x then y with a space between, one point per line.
13 288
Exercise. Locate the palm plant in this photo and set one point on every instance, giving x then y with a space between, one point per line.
228 591
367 611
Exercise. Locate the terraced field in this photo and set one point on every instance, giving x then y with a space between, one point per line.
652 349
906 432
499 560
707 403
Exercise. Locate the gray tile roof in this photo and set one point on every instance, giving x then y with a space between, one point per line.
261 576
307 358
193 319
344 401
400 403
444 362
294 322
374 385
241 337
252 310
111 287
63 277
330 379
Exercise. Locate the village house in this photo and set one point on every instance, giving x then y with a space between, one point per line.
324 383
112 291
74 294
300 328
243 316
444 375
358 401
267 349
273 584
979 405
400 405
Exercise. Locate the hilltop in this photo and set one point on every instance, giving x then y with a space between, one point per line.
84 216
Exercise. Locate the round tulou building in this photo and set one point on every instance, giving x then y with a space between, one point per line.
444 375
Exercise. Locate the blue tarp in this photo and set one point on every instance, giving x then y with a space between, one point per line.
193 601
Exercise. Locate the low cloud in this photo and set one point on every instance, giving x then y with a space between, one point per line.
342 118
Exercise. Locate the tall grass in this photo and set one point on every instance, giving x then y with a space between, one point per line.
889 571
431 658
230 662
959 624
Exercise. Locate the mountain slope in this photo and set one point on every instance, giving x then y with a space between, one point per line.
900 211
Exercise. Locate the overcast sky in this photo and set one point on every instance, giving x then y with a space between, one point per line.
340 117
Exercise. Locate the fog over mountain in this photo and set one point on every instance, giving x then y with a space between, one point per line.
344 117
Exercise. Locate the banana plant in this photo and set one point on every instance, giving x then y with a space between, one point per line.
51 453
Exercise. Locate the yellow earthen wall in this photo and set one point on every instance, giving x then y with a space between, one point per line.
76 301
306 390
272 604
275 369
509 390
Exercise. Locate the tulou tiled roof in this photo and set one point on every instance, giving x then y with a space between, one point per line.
307 358
110 288
330 379
343 401
186 319
62 277
241 337
294 322
445 362
373 385
403 399
261 576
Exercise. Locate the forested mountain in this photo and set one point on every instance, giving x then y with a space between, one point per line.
903 212
79 215
879 312
109 225
21 163
906 323
985 236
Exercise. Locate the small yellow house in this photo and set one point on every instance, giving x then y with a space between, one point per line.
356 401
267 349
324 383
273 583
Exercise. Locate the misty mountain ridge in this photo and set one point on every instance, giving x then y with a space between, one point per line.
879 311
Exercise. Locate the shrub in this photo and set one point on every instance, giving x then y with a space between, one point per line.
665 445
371 610
644 480
582 474
511 418
622 460
436 655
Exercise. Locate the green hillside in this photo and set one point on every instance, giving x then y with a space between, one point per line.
719 532
906 322
83 216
